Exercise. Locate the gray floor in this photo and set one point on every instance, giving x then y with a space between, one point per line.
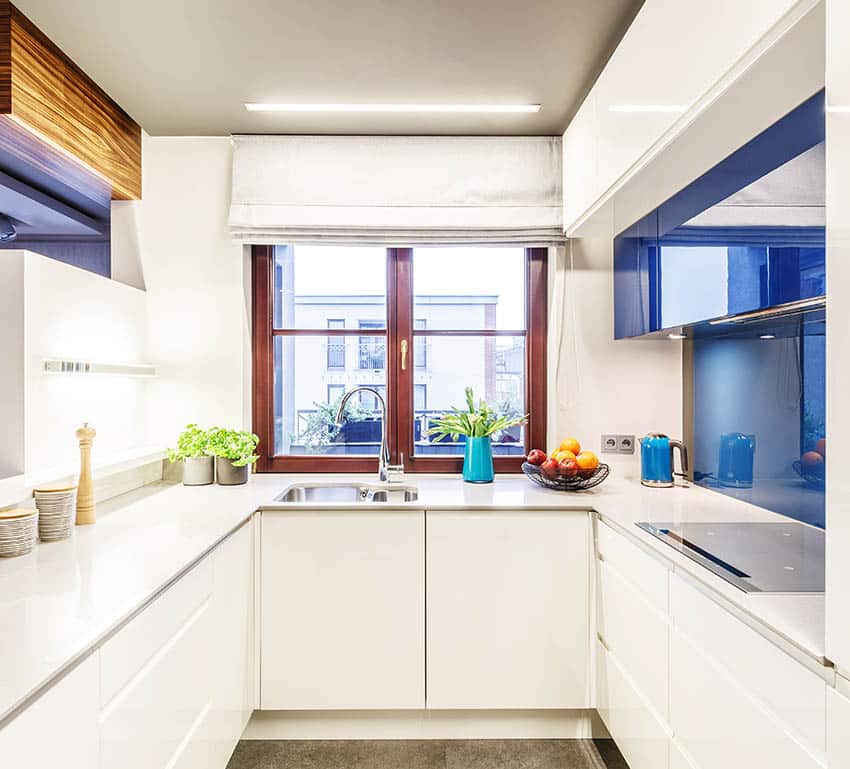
426 754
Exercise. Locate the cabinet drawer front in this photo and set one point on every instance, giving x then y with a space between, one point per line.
640 736
647 575
636 632
123 655
59 729
161 715
508 598
794 694
720 724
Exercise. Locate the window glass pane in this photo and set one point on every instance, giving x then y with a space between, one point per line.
314 285
495 369
307 393
469 288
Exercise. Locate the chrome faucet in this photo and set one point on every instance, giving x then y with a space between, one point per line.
386 472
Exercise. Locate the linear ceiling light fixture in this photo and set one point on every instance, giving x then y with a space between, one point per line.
496 108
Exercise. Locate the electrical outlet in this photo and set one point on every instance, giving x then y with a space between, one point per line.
610 444
626 444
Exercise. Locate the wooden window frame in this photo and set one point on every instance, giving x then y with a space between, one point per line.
399 384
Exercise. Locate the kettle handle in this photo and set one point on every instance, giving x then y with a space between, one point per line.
683 457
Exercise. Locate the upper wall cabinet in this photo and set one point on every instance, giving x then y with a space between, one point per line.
673 55
57 122
745 236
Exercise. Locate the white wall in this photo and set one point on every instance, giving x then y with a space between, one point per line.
599 385
193 275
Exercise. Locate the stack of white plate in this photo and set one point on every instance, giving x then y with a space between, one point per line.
17 531
56 512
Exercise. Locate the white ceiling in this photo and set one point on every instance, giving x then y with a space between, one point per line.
185 67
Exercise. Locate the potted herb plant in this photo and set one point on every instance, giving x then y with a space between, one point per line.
234 453
478 424
192 451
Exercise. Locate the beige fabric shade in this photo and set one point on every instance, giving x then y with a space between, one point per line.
397 190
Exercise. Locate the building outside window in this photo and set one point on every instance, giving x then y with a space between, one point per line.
372 349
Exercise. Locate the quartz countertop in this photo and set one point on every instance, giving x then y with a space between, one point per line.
63 599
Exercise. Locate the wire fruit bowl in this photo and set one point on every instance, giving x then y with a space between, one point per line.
564 483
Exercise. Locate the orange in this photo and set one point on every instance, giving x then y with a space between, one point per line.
820 447
587 461
811 459
561 454
571 444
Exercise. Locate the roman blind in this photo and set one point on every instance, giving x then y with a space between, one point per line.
397 190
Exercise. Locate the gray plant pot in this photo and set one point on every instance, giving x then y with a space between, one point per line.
228 474
198 471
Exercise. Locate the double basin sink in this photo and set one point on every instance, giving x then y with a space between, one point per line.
346 493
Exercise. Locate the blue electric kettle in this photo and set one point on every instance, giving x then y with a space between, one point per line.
656 460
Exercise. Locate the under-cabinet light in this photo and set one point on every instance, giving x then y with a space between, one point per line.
677 336
60 366
767 336
675 108
267 107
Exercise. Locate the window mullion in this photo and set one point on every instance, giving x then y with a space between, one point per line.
402 322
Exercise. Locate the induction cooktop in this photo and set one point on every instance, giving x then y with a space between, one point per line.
754 557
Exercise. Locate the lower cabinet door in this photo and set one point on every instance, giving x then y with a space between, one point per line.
159 719
343 610
639 734
232 642
60 728
508 609
837 730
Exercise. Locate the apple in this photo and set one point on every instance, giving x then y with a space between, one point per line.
536 457
568 468
550 468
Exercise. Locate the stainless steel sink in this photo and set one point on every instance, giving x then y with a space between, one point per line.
346 493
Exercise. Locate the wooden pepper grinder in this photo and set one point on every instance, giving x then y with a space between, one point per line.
85 489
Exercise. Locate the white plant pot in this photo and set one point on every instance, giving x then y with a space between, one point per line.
198 471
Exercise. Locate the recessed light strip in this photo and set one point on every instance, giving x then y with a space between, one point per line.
496 108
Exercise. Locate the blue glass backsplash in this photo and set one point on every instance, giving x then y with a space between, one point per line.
759 415
745 239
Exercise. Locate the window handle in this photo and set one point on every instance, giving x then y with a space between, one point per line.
404 355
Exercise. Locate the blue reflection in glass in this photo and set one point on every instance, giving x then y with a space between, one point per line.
759 414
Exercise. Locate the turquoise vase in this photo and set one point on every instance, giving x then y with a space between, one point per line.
478 460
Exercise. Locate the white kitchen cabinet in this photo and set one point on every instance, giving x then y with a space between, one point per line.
838 729
176 680
232 643
157 717
721 723
343 610
644 89
639 732
60 728
508 609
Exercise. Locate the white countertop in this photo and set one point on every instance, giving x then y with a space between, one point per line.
64 598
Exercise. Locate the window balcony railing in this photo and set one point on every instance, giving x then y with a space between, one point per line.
372 355
336 355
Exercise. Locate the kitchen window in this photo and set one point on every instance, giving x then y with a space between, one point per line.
416 325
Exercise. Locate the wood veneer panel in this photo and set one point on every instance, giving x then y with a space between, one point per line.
42 90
